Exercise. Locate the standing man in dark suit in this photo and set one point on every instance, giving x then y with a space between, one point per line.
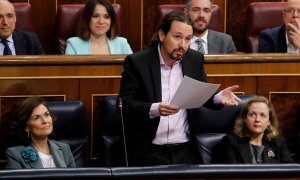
284 38
12 41
206 40
158 132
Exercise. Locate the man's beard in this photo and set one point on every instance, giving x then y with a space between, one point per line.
200 30
178 58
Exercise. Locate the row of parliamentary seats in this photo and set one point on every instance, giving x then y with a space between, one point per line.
258 19
71 127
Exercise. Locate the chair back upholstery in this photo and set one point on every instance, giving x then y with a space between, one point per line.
24 17
262 15
67 18
71 128
213 125
216 22
112 151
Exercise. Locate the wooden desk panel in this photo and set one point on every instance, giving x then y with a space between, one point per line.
91 78
64 66
247 84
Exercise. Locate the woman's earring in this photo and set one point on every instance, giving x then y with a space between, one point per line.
28 134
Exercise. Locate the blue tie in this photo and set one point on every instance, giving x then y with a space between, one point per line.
6 50
200 45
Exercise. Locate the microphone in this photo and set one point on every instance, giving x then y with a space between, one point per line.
120 104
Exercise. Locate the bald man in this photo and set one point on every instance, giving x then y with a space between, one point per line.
12 41
284 38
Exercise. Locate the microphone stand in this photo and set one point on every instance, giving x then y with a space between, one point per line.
123 129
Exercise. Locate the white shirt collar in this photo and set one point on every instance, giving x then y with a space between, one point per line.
162 62
9 39
204 38
290 47
194 45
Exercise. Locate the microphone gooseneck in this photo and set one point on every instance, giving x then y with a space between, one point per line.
120 105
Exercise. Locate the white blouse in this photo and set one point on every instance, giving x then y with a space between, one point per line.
47 160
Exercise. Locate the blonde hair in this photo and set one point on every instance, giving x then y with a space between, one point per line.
240 127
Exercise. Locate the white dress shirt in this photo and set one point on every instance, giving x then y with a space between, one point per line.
290 47
173 128
194 45
10 43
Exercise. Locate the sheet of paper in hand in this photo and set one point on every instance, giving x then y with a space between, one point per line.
192 93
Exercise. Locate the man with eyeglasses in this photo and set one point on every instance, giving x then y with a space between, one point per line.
284 38
206 40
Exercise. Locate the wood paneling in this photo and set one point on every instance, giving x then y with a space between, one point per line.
287 106
135 19
19 1
59 2
236 18
247 84
149 9
138 17
67 87
90 91
125 17
91 78
269 84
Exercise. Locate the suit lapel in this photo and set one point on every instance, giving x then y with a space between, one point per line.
19 43
185 67
269 153
188 65
156 74
36 164
245 151
282 46
57 155
212 46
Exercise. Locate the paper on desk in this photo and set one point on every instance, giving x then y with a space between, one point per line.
192 93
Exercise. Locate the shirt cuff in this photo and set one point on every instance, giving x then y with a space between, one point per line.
217 98
154 111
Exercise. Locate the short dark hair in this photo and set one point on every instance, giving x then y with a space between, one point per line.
166 23
83 27
22 115
188 3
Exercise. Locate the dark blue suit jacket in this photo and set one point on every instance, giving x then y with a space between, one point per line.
27 43
272 40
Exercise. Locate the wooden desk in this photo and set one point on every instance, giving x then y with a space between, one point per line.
91 78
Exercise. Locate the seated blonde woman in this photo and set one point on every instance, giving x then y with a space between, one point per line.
256 138
98 31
